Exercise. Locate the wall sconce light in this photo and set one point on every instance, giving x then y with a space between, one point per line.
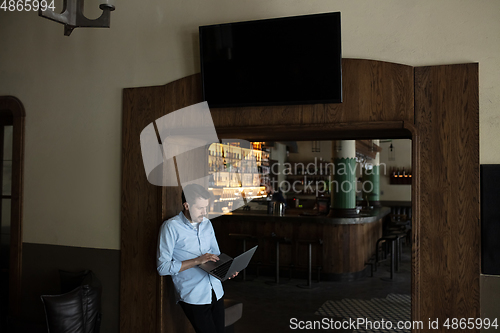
392 153
315 147
72 15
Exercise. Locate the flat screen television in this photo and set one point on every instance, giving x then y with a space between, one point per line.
281 61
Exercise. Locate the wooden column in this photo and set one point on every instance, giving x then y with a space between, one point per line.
447 120
146 300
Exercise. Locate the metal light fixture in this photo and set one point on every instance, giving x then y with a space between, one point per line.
72 15
338 146
392 153
315 147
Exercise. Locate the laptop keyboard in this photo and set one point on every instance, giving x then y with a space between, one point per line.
221 271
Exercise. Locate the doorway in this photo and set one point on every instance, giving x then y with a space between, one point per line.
12 116
337 297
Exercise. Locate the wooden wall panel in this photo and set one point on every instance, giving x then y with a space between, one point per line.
447 119
373 91
140 215
146 299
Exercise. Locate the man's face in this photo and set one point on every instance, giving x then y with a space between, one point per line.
198 210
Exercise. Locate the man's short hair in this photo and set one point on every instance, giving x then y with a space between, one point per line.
192 192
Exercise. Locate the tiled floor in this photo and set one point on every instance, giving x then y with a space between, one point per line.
268 308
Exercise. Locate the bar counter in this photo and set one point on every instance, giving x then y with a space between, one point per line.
301 215
347 243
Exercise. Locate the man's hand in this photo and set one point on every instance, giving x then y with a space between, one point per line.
187 264
234 275
206 257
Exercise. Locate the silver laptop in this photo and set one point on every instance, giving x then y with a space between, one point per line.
227 266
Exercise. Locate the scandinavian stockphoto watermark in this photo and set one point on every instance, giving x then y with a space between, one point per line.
318 177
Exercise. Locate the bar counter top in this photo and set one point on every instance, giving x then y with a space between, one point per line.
302 215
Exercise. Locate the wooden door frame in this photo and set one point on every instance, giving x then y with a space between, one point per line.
353 131
13 107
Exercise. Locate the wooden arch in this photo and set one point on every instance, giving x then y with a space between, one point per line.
437 107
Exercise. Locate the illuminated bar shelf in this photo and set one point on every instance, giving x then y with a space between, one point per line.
237 173
236 193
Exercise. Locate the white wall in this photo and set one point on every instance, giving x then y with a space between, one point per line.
305 154
72 86
278 153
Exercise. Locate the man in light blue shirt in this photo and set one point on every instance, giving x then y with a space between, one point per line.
185 241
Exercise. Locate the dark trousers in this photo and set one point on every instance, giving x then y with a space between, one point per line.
206 318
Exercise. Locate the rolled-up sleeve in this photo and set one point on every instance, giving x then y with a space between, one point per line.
165 263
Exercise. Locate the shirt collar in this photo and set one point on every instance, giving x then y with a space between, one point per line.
186 221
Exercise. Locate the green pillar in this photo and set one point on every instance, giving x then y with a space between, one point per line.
344 184
343 201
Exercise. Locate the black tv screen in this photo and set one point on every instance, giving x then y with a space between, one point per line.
282 61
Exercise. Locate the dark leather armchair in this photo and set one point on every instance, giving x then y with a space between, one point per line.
78 310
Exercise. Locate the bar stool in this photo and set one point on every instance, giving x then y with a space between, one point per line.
397 222
401 235
244 238
389 238
278 241
310 243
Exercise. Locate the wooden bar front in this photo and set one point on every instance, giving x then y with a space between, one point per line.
348 243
